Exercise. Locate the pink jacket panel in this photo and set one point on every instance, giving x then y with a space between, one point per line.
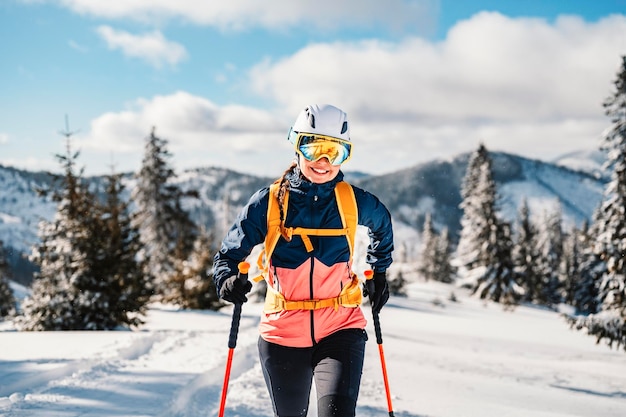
303 328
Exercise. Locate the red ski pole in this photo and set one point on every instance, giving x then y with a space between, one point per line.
244 267
379 340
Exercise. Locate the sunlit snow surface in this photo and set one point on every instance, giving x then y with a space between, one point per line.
443 358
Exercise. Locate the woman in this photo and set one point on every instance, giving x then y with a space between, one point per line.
312 326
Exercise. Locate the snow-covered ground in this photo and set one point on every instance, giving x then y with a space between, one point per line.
444 359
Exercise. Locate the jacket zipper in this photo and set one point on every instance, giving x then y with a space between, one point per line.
311 315
311 292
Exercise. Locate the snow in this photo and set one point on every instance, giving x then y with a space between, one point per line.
590 161
6 218
444 359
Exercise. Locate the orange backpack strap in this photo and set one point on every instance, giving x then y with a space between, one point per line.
274 228
346 202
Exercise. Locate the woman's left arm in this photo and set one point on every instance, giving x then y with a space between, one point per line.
374 215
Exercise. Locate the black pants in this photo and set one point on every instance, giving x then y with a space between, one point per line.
336 363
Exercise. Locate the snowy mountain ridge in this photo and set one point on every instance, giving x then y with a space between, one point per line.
435 187
409 194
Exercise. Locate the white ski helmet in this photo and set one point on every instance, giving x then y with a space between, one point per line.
321 119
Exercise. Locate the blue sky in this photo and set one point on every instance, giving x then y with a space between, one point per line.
223 82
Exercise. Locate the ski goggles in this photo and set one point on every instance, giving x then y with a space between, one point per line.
314 147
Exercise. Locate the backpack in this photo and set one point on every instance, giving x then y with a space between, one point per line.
346 202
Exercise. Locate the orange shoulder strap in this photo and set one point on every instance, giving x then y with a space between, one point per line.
346 202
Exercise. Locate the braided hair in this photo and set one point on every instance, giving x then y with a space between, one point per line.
285 180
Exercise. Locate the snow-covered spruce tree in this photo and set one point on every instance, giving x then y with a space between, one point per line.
428 256
127 291
550 251
569 268
496 280
592 268
166 231
525 254
397 285
88 278
610 322
473 232
486 240
7 300
444 270
192 284
435 259
66 293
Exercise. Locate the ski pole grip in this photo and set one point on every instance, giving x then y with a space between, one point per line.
243 267
369 282
234 327
377 331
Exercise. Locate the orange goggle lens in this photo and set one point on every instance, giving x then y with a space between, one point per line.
314 147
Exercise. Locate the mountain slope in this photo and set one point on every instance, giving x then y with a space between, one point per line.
435 187
409 194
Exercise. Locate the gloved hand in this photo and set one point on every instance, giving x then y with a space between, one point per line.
377 291
234 290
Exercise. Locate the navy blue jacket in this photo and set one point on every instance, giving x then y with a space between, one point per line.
310 206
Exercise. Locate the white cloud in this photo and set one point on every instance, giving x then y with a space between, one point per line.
4 138
489 68
274 15
199 132
151 47
516 84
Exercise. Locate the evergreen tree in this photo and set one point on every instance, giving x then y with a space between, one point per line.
485 246
66 287
473 230
570 267
444 270
192 285
166 231
550 251
7 300
525 254
592 268
427 265
496 279
88 277
397 285
127 290
610 322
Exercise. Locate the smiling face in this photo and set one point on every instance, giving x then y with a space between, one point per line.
318 172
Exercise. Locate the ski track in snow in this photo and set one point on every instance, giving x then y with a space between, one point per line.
129 378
